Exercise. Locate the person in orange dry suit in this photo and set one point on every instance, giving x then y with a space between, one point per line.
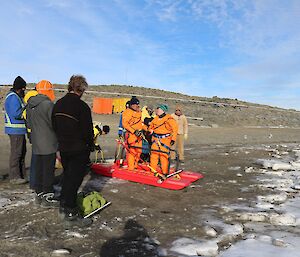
132 122
164 132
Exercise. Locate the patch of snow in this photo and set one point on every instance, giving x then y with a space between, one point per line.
283 219
186 246
75 234
257 248
209 248
4 201
249 170
234 168
210 231
275 198
256 217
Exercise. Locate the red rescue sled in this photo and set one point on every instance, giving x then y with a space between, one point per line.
144 175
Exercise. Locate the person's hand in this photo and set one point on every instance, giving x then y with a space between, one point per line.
138 133
185 136
172 142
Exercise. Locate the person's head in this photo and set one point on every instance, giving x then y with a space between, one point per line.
19 86
134 104
127 104
45 87
77 85
178 110
150 109
161 109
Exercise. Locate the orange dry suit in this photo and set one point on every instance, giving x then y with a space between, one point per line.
132 121
164 129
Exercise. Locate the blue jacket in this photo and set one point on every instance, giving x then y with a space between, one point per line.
14 106
121 130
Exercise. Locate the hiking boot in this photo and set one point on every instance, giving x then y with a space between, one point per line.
74 220
18 181
49 201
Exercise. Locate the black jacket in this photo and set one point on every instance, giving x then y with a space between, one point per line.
72 123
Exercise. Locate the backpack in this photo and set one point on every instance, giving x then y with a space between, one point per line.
89 202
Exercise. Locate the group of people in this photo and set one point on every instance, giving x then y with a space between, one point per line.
153 136
66 127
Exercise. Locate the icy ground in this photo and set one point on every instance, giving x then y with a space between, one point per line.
266 227
262 221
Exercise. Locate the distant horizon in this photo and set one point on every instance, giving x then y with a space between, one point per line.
210 97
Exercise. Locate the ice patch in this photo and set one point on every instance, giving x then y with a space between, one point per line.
258 248
210 231
283 219
275 198
256 217
234 168
190 247
186 246
4 202
75 234
249 170
208 249
274 164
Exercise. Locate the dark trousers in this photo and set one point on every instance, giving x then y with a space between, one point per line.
17 156
44 172
32 171
75 166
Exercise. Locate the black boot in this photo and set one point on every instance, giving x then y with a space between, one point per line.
72 218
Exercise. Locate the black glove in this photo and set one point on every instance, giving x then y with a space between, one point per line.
172 142
138 133
97 148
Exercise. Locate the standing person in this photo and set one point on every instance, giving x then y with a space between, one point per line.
15 128
32 161
182 133
121 130
44 147
132 122
72 123
147 116
164 133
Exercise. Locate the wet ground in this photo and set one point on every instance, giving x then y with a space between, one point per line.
143 220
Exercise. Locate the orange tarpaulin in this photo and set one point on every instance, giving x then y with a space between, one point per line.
102 105
46 88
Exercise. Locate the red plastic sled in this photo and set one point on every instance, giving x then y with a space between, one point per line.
143 175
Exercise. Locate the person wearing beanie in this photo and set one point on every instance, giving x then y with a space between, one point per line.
16 130
182 133
164 133
132 122
44 146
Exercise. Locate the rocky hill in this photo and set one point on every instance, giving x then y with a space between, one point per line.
202 111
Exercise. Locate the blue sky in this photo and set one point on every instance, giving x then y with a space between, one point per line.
245 49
